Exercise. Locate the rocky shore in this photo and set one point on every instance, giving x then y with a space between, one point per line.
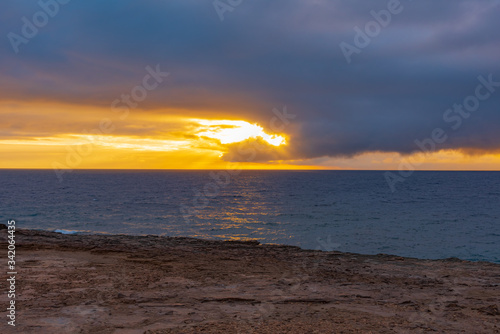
150 284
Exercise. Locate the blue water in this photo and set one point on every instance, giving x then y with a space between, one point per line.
432 215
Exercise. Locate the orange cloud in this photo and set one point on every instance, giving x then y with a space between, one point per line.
48 135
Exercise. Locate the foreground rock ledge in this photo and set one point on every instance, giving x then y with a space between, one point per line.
151 284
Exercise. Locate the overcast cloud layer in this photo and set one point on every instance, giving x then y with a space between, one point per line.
267 54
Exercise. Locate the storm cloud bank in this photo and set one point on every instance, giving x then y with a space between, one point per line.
402 76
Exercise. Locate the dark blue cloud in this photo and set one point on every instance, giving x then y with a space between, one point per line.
267 54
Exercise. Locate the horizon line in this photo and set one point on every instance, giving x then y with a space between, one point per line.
257 169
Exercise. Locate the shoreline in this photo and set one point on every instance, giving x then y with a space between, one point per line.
87 283
77 232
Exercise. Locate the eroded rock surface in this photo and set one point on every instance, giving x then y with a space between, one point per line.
151 284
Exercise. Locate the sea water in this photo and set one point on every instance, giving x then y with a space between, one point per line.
432 215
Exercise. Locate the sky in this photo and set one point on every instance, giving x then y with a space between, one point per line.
295 84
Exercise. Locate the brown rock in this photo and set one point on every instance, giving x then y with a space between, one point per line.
490 310
125 284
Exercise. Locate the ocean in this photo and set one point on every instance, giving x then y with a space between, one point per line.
432 215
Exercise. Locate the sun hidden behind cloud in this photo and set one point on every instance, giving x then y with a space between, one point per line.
229 132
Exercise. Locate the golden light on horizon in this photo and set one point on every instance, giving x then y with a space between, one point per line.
116 142
156 140
228 132
163 139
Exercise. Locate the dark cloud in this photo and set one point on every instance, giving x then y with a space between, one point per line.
254 150
267 54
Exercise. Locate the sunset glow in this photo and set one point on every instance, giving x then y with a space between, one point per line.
261 93
186 143
236 131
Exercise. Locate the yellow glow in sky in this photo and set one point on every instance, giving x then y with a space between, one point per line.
236 131
116 142
42 135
